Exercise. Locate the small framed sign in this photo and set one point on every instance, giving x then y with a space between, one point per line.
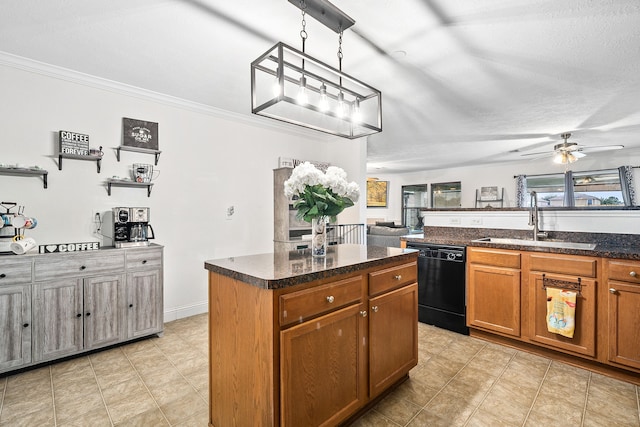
139 134
74 143
68 247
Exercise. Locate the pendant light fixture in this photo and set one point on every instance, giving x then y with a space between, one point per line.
289 85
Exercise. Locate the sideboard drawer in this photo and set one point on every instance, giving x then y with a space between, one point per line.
391 278
144 258
53 266
14 270
297 307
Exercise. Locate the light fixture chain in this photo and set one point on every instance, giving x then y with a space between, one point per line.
303 32
340 55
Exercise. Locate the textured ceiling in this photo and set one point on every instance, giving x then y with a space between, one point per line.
463 82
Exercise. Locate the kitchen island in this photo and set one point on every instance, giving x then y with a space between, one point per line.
302 341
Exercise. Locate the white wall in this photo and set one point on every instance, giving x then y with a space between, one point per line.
502 175
210 160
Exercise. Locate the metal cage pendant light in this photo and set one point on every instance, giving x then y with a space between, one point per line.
289 85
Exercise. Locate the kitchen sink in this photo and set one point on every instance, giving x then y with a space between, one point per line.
543 243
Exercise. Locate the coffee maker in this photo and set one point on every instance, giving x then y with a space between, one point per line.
131 227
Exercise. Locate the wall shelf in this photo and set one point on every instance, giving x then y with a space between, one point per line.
25 172
98 159
120 183
156 153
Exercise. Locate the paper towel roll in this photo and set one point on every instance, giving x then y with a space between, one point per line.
22 246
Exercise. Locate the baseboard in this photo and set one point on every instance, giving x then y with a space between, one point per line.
186 311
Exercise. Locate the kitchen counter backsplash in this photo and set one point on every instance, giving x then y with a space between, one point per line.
609 245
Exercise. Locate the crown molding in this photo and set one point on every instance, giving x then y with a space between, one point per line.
72 76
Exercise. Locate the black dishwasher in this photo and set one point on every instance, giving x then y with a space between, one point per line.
441 286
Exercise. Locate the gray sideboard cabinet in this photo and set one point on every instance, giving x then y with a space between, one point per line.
81 301
15 313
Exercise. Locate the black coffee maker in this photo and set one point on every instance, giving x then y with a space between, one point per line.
131 227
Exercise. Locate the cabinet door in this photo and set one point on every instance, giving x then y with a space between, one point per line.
57 319
144 303
493 299
393 337
584 336
15 326
323 370
624 324
103 311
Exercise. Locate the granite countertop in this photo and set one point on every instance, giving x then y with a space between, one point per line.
288 268
608 245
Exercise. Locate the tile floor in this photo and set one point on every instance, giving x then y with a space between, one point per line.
459 381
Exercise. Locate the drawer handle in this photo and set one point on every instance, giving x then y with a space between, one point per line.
363 313
144 261
26 325
374 308
88 314
612 290
78 315
330 299
83 267
633 274
398 277
2 276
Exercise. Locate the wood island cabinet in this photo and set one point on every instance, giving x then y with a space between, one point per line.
63 304
312 354
623 310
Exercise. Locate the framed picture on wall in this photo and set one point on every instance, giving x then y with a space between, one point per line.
139 134
377 192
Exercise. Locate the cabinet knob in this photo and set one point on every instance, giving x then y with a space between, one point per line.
144 261
374 308
612 290
130 305
633 274
2 276
330 299
83 267
78 315
26 325
397 277
363 313
88 314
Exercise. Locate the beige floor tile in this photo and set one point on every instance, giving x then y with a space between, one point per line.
69 407
171 391
486 419
425 418
37 392
201 419
438 371
451 406
152 417
97 417
398 410
197 363
42 417
612 410
491 360
462 350
508 402
471 383
184 407
199 380
108 378
71 391
374 419
415 391
128 408
523 374
552 417
596 419
124 390
556 403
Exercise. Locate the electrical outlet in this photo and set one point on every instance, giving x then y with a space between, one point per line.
230 211
454 220
476 221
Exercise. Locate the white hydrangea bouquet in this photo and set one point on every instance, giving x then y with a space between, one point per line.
320 194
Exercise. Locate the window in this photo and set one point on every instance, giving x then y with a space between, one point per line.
414 197
446 195
577 189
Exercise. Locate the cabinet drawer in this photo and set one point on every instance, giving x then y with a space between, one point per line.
143 258
296 307
15 270
564 264
494 257
52 267
624 271
391 278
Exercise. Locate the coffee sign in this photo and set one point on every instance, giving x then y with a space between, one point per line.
68 247
74 143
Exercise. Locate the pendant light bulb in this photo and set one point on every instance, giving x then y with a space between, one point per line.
303 99
324 100
356 115
341 106
275 89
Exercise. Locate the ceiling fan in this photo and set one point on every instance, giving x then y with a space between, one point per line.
569 152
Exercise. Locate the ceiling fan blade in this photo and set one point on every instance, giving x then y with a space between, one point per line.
596 149
539 153
578 154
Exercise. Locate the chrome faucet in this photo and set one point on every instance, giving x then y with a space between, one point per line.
534 218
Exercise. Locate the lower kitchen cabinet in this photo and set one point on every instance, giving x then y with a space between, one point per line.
69 303
494 290
623 305
15 325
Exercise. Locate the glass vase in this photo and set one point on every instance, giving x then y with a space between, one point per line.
319 236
